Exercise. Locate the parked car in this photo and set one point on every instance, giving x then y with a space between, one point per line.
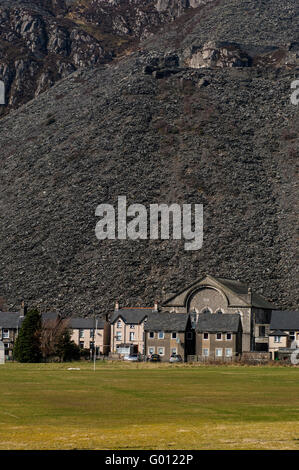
155 358
175 358
132 357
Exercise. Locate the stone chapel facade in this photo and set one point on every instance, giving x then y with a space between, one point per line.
222 296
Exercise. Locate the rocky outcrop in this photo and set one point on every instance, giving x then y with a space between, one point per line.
37 49
176 8
214 54
226 54
42 41
54 38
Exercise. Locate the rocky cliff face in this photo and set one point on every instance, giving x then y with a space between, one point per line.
39 48
158 128
42 41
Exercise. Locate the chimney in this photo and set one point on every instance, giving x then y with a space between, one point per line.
156 307
250 294
23 309
116 306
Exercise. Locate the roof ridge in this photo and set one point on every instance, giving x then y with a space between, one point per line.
232 280
134 308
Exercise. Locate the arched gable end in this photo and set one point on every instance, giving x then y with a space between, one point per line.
206 296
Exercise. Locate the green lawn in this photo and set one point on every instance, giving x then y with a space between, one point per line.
148 406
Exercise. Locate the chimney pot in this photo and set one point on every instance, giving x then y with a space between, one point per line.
116 305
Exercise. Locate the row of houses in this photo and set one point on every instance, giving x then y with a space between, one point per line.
83 331
213 318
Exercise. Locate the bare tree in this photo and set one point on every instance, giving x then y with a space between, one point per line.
51 333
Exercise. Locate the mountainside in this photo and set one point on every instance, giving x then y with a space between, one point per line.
200 112
42 41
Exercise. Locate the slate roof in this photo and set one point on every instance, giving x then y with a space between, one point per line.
241 289
166 321
211 322
76 322
12 320
85 323
9 320
49 316
284 320
132 316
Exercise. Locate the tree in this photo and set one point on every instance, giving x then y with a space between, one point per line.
28 347
56 341
66 349
51 332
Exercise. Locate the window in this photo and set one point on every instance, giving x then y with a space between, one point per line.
151 334
151 350
174 351
161 335
206 336
5 334
161 351
81 333
218 352
277 339
173 335
205 352
193 319
132 327
228 336
228 352
206 310
292 335
219 336
262 331
219 312
118 336
92 333
118 325
132 336
81 344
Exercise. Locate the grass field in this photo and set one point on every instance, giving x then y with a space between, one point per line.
148 406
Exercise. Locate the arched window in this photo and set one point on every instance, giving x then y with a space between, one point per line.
219 311
206 310
193 317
